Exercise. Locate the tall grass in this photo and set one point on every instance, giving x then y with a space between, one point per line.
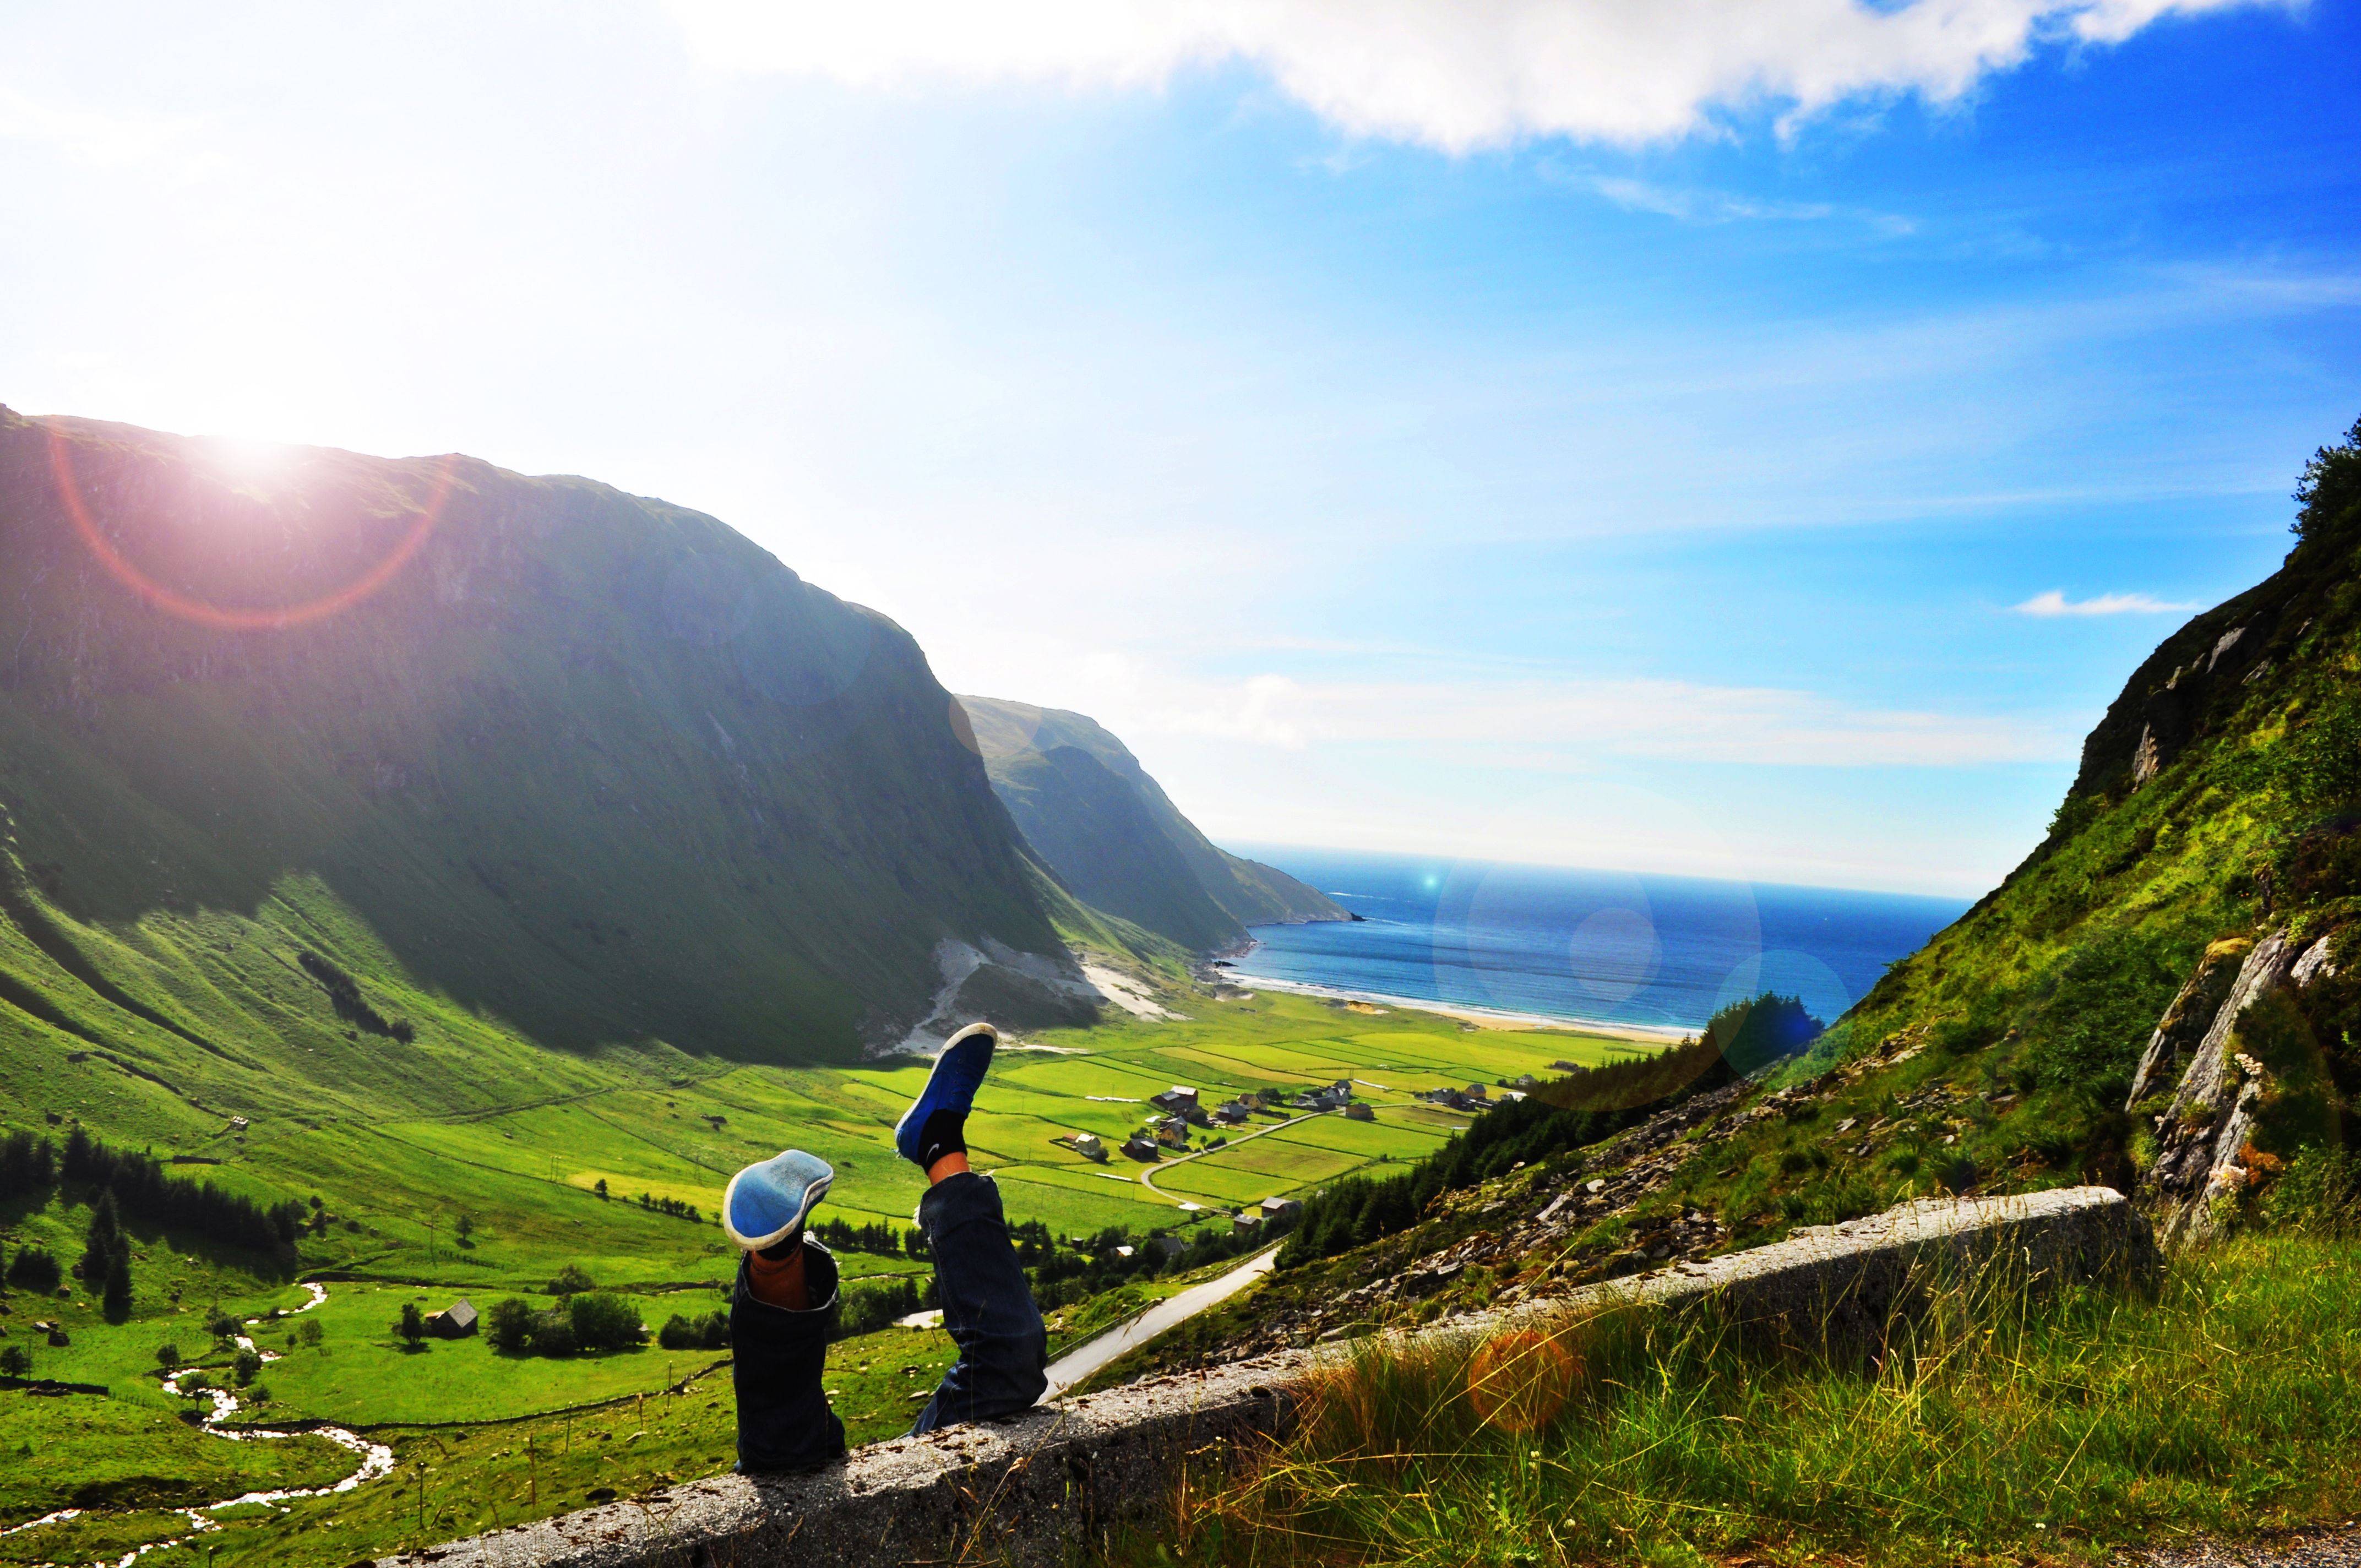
1994 1422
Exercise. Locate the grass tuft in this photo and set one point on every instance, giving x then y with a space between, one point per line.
1994 1424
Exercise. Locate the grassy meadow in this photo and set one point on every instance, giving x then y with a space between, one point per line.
518 1159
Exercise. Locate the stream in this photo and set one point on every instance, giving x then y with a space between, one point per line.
376 1458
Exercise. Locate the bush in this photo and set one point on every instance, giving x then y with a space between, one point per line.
868 1308
570 1280
35 1269
309 1331
411 1325
244 1368
508 1325
167 1355
2329 493
710 1331
602 1321
553 1335
15 1361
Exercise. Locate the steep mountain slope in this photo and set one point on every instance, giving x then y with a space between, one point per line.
2164 997
1111 832
351 769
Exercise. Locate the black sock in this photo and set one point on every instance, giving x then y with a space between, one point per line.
941 1136
780 1251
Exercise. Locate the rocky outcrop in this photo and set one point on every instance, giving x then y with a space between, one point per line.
2204 1136
2185 1022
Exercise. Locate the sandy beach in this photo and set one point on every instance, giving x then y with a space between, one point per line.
1482 1017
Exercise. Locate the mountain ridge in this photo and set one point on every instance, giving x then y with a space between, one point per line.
1084 800
584 769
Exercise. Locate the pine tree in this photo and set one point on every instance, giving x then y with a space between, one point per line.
98 1246
117 1302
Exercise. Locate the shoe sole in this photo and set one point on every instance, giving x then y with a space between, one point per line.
812 1195
915 1105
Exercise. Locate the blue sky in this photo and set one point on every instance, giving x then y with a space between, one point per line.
1534 430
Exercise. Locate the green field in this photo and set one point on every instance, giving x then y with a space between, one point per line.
518 1155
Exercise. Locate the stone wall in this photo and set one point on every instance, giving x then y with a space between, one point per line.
1050 1485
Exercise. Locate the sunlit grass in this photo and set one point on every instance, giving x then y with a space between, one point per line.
1997 1424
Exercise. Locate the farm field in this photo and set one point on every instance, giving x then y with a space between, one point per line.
527 1177
421 1203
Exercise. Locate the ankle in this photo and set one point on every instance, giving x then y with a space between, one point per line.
776 1275
951 1163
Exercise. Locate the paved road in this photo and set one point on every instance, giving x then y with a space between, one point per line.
1132 1332
1148 1177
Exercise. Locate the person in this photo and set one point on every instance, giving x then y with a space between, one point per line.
786 1297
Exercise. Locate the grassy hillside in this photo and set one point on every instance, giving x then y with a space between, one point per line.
1115 838
584 767
2218 801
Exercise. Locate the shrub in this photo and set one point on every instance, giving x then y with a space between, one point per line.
15 1361
553 1335
868 1308
2330 489
602 1321
167 1355
710 1331
411 1325
508 1325
309 1331
570 1280
244 1368
35 1269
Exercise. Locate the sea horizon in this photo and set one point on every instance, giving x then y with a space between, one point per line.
1579 946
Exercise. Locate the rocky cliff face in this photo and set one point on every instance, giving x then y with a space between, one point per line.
1115 838
587 762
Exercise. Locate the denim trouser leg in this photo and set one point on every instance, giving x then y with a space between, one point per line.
778 1356
1003 1351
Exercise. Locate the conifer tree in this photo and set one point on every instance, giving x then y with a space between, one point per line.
98 1244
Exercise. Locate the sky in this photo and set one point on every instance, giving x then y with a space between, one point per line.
1745 439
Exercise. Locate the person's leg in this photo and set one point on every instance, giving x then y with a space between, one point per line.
781 1310
777 1357
987 1306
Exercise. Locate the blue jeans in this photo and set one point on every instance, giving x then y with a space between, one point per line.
784 1422
1003 1350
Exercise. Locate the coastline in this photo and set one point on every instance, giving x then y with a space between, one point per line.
1483 1017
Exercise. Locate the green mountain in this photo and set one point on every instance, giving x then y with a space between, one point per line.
2164 997
1111 832
425 772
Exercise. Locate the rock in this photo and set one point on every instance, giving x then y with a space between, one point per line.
2312 965
2200 1135
2184 1023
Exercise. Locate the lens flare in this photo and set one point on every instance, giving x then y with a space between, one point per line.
227 618
1519 1381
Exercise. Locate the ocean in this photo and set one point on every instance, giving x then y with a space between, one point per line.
1660 952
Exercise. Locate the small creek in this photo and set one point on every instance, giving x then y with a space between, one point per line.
376 1458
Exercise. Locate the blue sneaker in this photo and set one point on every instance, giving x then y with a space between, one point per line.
958 1073
766 1203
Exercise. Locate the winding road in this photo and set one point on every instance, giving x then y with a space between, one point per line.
1133 1331
1148 1177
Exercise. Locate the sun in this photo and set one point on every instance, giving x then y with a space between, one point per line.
243 457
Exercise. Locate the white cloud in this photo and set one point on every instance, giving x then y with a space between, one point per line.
1454 74
1558 724
2056 603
